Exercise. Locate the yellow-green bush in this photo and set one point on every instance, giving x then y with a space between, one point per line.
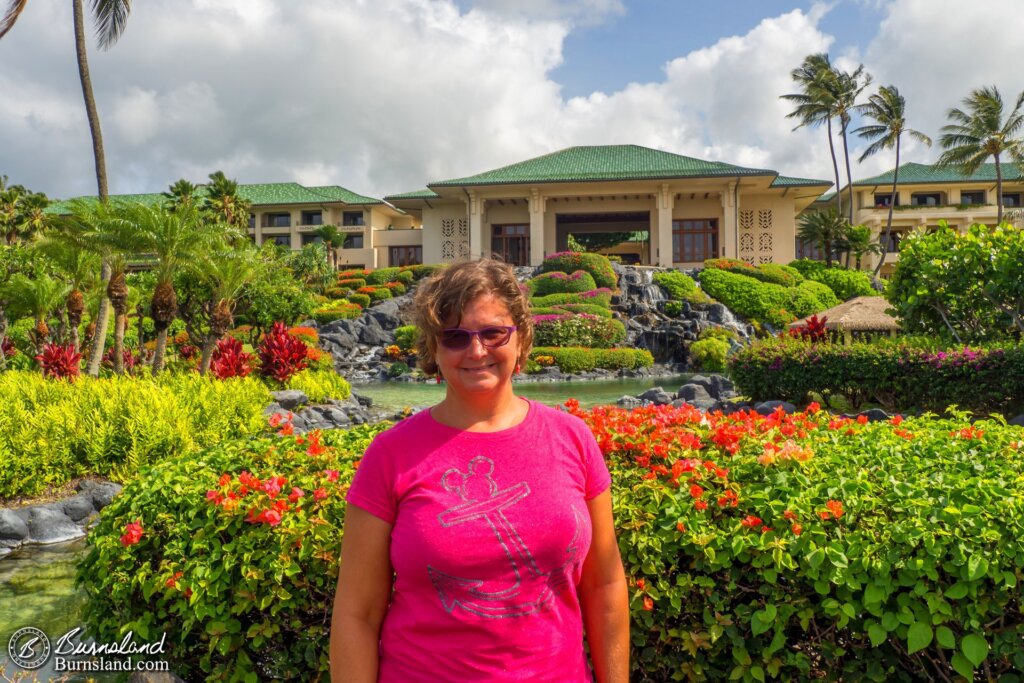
52 431
320 385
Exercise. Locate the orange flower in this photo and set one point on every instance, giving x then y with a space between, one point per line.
700 505
696 491
862 419
896 420
789 514
641 584
680 528
648 604
797 529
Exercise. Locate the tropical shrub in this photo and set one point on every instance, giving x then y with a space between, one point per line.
846 284
52 432
398 368
595 297
307 335
673 309
382 276
779 274
376 294
578 359
337 310
557 282
578 330
406 277
748 297
599 267
969 286
728 264
396 288
421 271
808 546
360 273
894 374
592 309
234 553
320 385
709 354
351 283
679 286
59 361
281 355
405 337
361 300
230 360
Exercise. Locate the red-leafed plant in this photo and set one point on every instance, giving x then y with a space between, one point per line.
229 360
187 351
59 361
281 354
7 347
813 331
128 359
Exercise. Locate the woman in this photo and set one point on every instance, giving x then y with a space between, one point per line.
478 541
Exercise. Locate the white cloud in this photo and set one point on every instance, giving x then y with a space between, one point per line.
384 96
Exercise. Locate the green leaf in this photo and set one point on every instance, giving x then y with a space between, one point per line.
962 666
957 591
757 672
976 567
975 648
815 558
944 636
919 636
873 594
877 634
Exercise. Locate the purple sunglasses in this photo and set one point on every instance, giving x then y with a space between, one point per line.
457 338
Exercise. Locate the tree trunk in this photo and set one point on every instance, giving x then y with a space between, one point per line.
209 344
119 323
999 191
892 203
162 310
835 168
849 177
90 103
75 306
221 320
161 349
99 337
3 335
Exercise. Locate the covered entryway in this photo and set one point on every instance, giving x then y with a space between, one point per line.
622 233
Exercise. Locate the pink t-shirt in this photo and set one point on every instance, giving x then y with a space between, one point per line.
489 535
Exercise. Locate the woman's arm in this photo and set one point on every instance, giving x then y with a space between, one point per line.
604 597
364 589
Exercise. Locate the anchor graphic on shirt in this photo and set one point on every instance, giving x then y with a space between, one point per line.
532 590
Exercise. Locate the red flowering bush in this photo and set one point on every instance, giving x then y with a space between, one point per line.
234 554
281 354
59 361
229 360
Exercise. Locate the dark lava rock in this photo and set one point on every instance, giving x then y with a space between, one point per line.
78 507
290 399
768 407
101 492
47 524
12 527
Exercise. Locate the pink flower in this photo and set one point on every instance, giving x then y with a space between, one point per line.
132 533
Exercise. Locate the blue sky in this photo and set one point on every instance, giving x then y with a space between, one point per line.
384 96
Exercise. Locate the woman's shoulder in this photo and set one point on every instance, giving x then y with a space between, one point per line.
403 430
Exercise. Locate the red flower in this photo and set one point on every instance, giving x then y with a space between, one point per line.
275 419
835 507
320 494
696 491
225 479
173 581
751 521
700 505
188 593
789 514
797 529
813 407
132 533
641 584
862 419
295 494
332 475
680 528
896 420
648 604
287 430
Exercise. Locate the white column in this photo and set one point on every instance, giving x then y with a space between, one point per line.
537 202
477 246
730 209
666 202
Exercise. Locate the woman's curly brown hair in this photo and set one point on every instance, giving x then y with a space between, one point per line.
441 299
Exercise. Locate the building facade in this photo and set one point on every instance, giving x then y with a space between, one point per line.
689 209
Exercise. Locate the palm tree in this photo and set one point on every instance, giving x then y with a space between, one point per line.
823 229
109 19
173 239
815 103
856 243
981 132
10 204
887 109
181 193
225 202
67 250
36 297
334 239
226 272
849 86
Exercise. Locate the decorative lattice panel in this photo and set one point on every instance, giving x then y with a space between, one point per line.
765 250
448 227
463 238
747 250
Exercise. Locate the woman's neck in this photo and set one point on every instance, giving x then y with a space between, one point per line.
480 414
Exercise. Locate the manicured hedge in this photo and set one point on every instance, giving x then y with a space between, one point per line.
599 267
679 286
337 310
421 271
766 272
353 273
352 282
595 297
382 276
846 284
579 359
578 330
592 309
763 301
893 374
52 431
558 282
320 385
709 354
362 300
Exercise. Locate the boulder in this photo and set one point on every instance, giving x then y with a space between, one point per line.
718 313
49 524
78 507
386 313
372 334
691 392
657 396
12 527
1017 421
290 399
101 492
768 407
876 415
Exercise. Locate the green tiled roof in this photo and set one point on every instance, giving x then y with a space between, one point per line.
914 174
259 194
417 194
785 181
336 193
608 162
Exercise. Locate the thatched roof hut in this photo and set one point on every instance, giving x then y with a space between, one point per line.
861 314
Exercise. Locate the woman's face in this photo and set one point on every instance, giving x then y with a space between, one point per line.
477 369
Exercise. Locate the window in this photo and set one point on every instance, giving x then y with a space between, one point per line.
354 241
972 197
1011 199
694 240
925 199
809 250
252 220
277 220
311 239
352 218
893 246
511 243
884 199
405 256
312 218
280 240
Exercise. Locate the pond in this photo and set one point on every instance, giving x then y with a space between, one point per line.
394 396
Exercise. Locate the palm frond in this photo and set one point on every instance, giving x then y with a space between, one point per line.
10 17
111 17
